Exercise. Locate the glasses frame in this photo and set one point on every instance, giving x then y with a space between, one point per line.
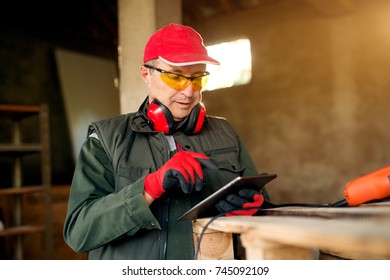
191 79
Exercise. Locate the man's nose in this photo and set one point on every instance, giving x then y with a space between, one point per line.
189 90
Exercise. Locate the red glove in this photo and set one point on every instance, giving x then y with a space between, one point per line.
183 171
246 198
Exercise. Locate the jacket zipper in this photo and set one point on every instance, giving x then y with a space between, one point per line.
165 227
220 151
166 209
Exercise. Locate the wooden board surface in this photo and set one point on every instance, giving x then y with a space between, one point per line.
379 211
355 231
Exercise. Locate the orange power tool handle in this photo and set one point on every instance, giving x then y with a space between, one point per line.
375 185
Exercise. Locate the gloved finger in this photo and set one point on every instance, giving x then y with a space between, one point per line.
236 200
249 208
196 168
204 160
190 175
248 193
196 155
208 163
185 185
198 184
189 169
192 166
219 208
224 206
258 198
258 201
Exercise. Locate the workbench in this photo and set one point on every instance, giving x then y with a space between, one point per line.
300 233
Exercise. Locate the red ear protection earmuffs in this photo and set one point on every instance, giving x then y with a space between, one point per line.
161 119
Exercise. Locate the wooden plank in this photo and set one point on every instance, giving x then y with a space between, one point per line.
352 255
21 190
260 249
14 231
368 237
17 111
214 245
19 149
379 211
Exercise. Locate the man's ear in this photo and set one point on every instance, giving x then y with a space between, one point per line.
145 74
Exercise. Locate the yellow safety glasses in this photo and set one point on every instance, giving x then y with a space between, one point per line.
180 82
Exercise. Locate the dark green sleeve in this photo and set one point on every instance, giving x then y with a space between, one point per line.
250 168
96 214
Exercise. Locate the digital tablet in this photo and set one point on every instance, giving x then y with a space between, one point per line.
206 208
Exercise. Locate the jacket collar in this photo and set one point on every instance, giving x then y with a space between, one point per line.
139 124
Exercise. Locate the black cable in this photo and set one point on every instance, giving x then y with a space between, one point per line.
204 230
340 203
268 205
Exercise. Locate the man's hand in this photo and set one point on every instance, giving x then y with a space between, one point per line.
183 171
247 201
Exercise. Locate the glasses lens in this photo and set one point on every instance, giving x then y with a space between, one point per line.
175 81
180 83
200 82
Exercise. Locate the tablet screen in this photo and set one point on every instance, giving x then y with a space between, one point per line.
206 208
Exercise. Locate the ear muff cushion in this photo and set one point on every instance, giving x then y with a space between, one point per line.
160 117
195 120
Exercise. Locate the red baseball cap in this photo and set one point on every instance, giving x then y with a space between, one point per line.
177 45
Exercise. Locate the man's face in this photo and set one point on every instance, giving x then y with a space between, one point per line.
179 102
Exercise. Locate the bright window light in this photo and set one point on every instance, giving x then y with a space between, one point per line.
236 64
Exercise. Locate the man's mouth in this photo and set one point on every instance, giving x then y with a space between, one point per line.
183 104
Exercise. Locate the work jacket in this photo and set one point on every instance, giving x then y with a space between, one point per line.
107 214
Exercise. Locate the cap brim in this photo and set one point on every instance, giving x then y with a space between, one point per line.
184 60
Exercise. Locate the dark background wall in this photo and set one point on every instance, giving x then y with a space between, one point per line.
316 111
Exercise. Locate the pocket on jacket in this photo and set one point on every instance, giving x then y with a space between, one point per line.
130 174
229 166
